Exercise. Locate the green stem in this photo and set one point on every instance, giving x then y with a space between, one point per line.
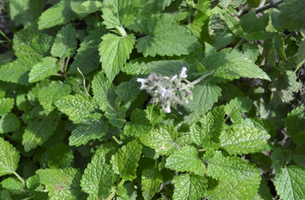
19 177
84 82
10 41
117 141
197 80
238 44
269 5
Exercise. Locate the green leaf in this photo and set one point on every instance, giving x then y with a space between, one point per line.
184 159
86 132
49 66
9 123
30 42
60 13
241 139
138 66
32 182
6 104
301 52
237 189
206 132
25 12
189 186
278 159
38 132
231 168
292 15
162 139
58 156
83 8
295 121
117 13
236 107
18 70
128 91
205 94
87 58
98 177
61 183
104 91
125 161
49 95
166 37
77 107
9 158
289 184
299 156
116 116
114 51
247 21
139 124
150 180
13 185
235 65
65 42
279 45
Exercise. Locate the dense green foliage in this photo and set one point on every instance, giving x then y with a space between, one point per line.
146 99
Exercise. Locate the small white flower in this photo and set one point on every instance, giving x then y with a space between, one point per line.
163 91
142 81
174 77
183 74
166 109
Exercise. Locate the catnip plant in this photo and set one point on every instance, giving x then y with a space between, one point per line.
146 99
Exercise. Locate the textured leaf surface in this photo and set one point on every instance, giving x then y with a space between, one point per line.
86 7
205 94
114 52
86 132
116 116
166 37
184 159
13 185
60 13
55 91
104 91
235 190
189 186
292 15
65 42
9 158
18 70
25 12
289 183
139 124
49 66
236 107
61 183
87 58
9 123
58 156
151 179
125 161
76 107
231 168
30 42
235 65
295 121
206 132
161 139
239 139
98 176
128 91
117 12
38 132
6 104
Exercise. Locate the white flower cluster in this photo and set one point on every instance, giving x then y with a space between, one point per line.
166 91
